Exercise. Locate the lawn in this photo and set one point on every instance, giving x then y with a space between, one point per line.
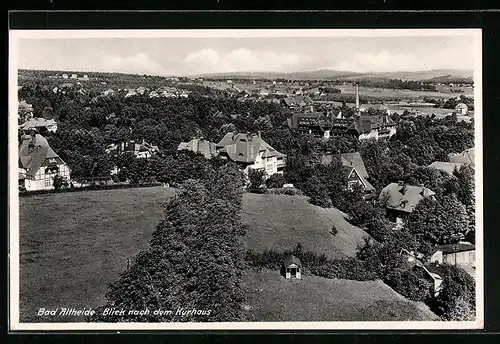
279 222
270 297
73 244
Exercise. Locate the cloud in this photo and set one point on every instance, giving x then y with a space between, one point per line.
203 57
383 61
243 60
140 63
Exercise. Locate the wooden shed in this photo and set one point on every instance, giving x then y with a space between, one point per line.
292 267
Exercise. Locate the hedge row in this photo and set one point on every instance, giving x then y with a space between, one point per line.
345 268
87 188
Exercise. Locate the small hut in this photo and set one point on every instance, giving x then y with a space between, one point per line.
292 267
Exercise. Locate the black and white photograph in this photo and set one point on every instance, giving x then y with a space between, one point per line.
245 179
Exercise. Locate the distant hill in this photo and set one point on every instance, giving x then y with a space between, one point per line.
330 74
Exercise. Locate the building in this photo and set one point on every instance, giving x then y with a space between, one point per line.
65 76
38 124
315 123
39 164
298 103
292 267
154 94
199 146
85 77
400 200
263 93
131 92
362 127
141 89
448 167
373 127
108 92
463 253
250 151
74 76
24 110
139 150
466 157
355 170
461 109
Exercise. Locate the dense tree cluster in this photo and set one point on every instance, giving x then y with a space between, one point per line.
195 259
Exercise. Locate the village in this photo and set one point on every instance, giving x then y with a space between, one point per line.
398 170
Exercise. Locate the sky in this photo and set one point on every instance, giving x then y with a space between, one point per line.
198 55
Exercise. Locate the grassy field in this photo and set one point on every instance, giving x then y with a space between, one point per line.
280 222
389 92
73 244
270 297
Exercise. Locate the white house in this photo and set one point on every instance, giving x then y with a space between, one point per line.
250 151
292 267
39 164
39 123
461 109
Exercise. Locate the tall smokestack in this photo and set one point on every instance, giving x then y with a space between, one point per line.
357 96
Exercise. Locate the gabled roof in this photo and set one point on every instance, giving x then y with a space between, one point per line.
37 123
244 147
365 124
33 152
298 101
199 145
291 259
354 160
404 197
466 157
461 106
447 167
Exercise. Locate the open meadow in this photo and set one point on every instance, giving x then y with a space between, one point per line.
73 244
279 222
270 297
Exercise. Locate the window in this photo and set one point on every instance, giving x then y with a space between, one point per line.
48 182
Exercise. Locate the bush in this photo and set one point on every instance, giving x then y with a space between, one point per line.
334 230
275 181
410 284
320 265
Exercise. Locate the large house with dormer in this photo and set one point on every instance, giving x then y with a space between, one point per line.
250 151
39 164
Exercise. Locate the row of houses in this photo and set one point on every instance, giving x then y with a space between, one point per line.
249 150
334 125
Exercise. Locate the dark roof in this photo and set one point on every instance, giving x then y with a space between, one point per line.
404 197
354 160
199 145
454 248
365 124
33 152
244 147
298 101
291 259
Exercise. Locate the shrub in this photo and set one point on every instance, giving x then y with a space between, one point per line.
275 181
410 284
320 265
334 230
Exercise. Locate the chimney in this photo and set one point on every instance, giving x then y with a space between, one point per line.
259 134
357 96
